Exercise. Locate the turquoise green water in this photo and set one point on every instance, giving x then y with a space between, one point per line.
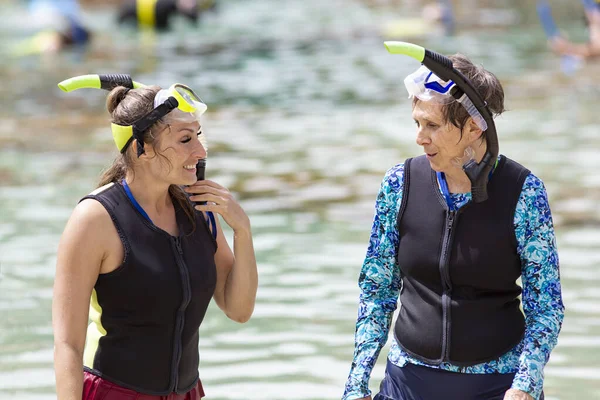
306 112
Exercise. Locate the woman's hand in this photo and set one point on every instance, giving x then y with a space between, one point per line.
516 394
221 201
237 275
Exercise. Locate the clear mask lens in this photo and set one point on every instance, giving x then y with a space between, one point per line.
426 86
190 97
188 94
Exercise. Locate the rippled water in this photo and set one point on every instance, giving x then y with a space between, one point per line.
307 111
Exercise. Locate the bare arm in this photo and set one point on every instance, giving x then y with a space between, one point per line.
80 254
563 46
591 49
594 45
237 276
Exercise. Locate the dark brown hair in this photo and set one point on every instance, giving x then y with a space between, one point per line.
125 107
485 83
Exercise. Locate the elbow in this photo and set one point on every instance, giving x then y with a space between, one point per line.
68 345
64 349
241 316
240 319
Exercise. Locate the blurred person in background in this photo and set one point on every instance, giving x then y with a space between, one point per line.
141 261
591 49
59 26
460 333
158 14
436 19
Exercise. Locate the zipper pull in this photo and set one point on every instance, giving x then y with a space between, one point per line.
178 245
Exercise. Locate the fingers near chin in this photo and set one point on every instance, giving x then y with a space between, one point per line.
208 182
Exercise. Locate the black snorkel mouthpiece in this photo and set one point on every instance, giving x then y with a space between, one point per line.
441 66
478 174
200 170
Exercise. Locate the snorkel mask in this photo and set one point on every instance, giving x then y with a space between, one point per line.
427 86
437 80
178 102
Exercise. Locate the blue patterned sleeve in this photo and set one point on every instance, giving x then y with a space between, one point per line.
542 299
379 284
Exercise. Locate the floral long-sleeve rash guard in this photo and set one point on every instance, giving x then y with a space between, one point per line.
380 281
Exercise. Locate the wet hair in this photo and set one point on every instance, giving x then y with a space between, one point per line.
125 107
485 83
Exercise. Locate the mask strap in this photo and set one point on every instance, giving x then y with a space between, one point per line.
143 124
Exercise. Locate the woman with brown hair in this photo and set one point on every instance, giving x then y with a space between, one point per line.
141 262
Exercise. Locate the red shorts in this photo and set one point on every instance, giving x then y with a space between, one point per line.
96 388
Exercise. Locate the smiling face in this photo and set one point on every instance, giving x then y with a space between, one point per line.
179 149
441 140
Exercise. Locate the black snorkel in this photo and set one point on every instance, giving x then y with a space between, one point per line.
442 66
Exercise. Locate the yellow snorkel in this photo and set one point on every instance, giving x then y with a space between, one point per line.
177 96
94 81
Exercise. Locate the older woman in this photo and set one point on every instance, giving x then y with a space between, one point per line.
453 230
141 261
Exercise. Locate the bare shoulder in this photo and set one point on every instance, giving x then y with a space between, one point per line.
89 222
90 211
90 214
85 242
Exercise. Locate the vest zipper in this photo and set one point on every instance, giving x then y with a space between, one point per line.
179 321
451 218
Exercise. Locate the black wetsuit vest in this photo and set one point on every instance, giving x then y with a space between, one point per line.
150 308
459 269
